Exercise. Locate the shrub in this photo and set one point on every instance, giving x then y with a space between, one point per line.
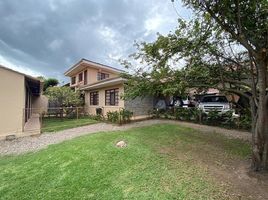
188 114
154 113
113 116
220 119
96 117
245 120
125 115
121 117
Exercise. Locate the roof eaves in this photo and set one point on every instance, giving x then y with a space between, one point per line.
26 75
103 82
92 62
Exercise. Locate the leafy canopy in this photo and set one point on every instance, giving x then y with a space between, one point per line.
64 96
50 82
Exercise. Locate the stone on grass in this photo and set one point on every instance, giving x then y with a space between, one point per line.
121 144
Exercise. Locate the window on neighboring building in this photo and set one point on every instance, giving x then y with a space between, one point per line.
102 76
94 98
80 77
112 97
73 80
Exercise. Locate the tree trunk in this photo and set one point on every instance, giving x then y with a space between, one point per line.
260 121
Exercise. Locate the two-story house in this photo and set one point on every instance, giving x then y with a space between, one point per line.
103 88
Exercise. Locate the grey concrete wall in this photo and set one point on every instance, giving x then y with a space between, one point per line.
140 106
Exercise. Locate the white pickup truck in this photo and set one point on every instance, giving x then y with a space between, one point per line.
214 102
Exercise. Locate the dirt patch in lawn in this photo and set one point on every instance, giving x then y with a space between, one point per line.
229 169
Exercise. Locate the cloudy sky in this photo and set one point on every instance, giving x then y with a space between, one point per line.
46 37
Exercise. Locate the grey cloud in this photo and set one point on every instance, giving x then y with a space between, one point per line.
49 36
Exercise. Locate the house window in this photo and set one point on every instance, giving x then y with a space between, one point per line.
73 80
80 77
85 77
112 97
94 98
102 76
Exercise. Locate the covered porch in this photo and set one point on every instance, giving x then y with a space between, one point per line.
33 90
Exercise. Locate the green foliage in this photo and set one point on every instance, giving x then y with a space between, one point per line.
96 117
245 120
216 118
188 114
212 118
156 113
113 116
233 17
50 82
121 117
64 96
157 81
125 115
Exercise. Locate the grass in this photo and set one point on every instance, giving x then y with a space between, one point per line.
160 162
58 124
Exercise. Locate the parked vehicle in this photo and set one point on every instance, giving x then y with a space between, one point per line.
214 102
161 105
175 102
188 102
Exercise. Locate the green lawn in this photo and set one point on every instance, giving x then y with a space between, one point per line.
160 162
58 124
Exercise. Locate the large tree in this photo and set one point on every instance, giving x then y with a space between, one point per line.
225 46
246 22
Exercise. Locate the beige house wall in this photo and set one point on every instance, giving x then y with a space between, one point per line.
92 74
40 104
12 100
92 109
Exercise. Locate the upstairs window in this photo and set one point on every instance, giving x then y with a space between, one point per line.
73 80
112 97
80 77
102 76
85 77
94 98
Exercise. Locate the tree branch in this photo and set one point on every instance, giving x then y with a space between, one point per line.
238 17
237 82
240 37
231 90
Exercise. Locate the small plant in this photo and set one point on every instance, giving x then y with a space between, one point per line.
156 113
96 117
121 117
245 120
125 116
220 119
187 114
113 116
228 119
213 117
